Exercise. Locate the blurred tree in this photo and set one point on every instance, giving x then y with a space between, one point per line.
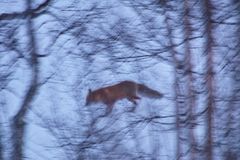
210 84
52 52
32 59
231 68
191 96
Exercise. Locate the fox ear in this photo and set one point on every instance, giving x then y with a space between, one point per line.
89 90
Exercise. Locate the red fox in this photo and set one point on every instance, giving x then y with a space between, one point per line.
125 89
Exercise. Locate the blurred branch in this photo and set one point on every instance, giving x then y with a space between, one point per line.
29 12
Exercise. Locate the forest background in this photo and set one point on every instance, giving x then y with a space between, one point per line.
52 52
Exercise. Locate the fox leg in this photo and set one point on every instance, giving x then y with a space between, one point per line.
108 111
136 97
133 108
132 99
134 102
109 108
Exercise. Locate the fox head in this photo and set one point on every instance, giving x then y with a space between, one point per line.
90 98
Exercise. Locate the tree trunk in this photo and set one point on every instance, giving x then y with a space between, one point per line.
209 78
190 79
18 123
177 94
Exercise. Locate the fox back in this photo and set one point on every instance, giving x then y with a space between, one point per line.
125 89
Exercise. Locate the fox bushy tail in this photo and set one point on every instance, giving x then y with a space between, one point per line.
149 92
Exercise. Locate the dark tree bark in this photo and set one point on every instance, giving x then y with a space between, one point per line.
18 125
231 133
190 79
208 7
177 93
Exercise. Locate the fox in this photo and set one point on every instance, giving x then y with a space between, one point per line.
125 89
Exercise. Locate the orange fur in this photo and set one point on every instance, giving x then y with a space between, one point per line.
126 89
